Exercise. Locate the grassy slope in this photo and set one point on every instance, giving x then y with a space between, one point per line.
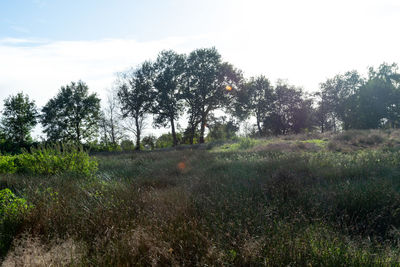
298 200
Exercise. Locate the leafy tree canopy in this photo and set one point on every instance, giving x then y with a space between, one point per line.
72 115
18 119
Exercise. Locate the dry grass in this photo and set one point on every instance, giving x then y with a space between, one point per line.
30 251
274 202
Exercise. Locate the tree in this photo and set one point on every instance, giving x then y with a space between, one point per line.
208 85
256 99
149 142
324 117
385 83
110 122
363 103
166 140
290 112
340 98
222 128
72 115
168 78
19 118
135 93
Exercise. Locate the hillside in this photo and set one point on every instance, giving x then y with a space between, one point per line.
316 199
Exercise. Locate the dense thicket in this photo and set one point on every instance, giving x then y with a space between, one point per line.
195 87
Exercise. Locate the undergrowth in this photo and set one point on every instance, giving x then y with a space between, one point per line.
238 204
52 160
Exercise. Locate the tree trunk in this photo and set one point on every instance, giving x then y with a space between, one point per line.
334 125
137 134
202 129
323 124
173 133
78 133
258 124
113 141
191 134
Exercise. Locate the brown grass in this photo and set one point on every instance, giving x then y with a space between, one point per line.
30 251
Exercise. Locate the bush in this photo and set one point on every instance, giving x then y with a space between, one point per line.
12 210
246 143
149 142
166 140
7 164
102 147
56 160
371 139
127 145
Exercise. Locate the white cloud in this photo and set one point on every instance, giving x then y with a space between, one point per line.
40 68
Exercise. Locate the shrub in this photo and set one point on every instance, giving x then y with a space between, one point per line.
246 143
127 145
12 210
371 139
149 142
57 160
7 164
166 140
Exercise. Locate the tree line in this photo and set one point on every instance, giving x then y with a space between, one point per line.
197 85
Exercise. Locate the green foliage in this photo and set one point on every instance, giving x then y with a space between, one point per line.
7 164
169 69
18 119
206 91
220 129
72 115
243 206
57 160
102 147
12 211
167 140
246 143
289 112
50 160
127 145
255 98
361 103
11 207
149 142
136 96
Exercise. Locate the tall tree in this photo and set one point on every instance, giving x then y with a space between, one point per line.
256 98
384 88
168 78
208 83
324 117
340 97
72 115
135 93
290 111
364 103
19 118
222 128
111 121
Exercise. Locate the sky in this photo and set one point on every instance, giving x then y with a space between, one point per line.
45 44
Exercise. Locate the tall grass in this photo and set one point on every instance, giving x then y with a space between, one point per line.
236 207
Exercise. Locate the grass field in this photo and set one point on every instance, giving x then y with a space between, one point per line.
315 200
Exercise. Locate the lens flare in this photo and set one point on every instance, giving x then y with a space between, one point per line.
228 88
181 166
